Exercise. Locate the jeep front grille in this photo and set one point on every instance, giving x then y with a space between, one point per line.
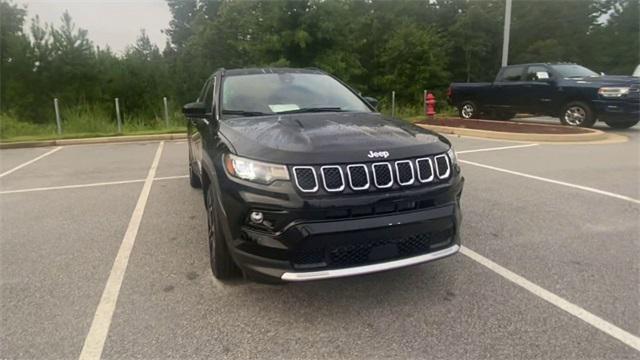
382 176
442 166
372 176
358 176
305 177
404 172
425 170
332 178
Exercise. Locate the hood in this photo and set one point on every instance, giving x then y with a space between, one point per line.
607 80
328 138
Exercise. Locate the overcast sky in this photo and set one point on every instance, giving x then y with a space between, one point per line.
116 23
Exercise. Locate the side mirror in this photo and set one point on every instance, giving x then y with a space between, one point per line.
194 109
372 101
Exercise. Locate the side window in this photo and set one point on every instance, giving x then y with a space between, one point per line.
536 73
512 73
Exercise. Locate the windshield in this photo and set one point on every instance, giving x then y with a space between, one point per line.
257 94
572 70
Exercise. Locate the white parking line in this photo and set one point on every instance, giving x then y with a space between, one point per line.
70 186
496 148
172 177
30 161
573 309
107 183
94 343
580 187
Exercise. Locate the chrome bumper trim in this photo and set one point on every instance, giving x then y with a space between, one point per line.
367 269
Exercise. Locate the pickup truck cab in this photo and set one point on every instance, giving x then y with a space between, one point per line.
573 93
303 179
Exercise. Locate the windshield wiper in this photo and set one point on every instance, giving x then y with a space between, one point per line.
311 109
243 113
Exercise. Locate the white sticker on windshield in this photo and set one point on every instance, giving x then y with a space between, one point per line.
276 108
542 75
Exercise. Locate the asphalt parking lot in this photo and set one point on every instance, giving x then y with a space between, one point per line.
549 268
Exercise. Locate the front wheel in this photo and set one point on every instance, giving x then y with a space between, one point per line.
468 110
622 124
222 264
577 113
194 179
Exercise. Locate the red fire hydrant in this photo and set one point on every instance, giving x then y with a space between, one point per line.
430 100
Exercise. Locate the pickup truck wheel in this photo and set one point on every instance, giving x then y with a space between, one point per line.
577 113
468 110
622 124
222 264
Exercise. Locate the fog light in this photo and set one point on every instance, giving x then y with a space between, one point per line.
256 217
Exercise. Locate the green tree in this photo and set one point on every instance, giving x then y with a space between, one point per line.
473 36
14 60
415 59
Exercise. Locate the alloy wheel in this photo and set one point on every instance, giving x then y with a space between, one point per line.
575 115
467 111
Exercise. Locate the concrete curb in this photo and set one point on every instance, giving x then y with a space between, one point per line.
96 140
592 135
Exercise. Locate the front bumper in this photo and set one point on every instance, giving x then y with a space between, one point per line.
617 109
326 237
368 269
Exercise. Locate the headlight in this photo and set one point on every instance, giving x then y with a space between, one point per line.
613 91
256 171
452 155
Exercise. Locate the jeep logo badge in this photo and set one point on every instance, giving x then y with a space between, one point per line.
378 154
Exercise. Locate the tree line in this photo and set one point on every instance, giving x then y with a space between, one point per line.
374 45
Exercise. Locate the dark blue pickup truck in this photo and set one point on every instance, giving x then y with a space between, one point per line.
573 93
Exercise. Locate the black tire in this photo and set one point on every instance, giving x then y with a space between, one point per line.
622 124
577 113
468 110
194 179
222 265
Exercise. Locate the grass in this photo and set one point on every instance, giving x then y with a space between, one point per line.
416 113
84 122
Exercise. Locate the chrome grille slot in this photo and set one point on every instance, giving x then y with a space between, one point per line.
404 172
425 170
358 176
385 175
332 178
305 177
382 175
443 169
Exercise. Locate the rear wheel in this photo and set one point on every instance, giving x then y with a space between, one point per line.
222 265
577 113
468 110
622 124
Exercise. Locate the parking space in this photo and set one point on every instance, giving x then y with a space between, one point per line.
59 247
84 164
14 157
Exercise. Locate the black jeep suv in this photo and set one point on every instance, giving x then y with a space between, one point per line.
304 180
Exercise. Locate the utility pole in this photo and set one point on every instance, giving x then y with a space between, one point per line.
507 30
